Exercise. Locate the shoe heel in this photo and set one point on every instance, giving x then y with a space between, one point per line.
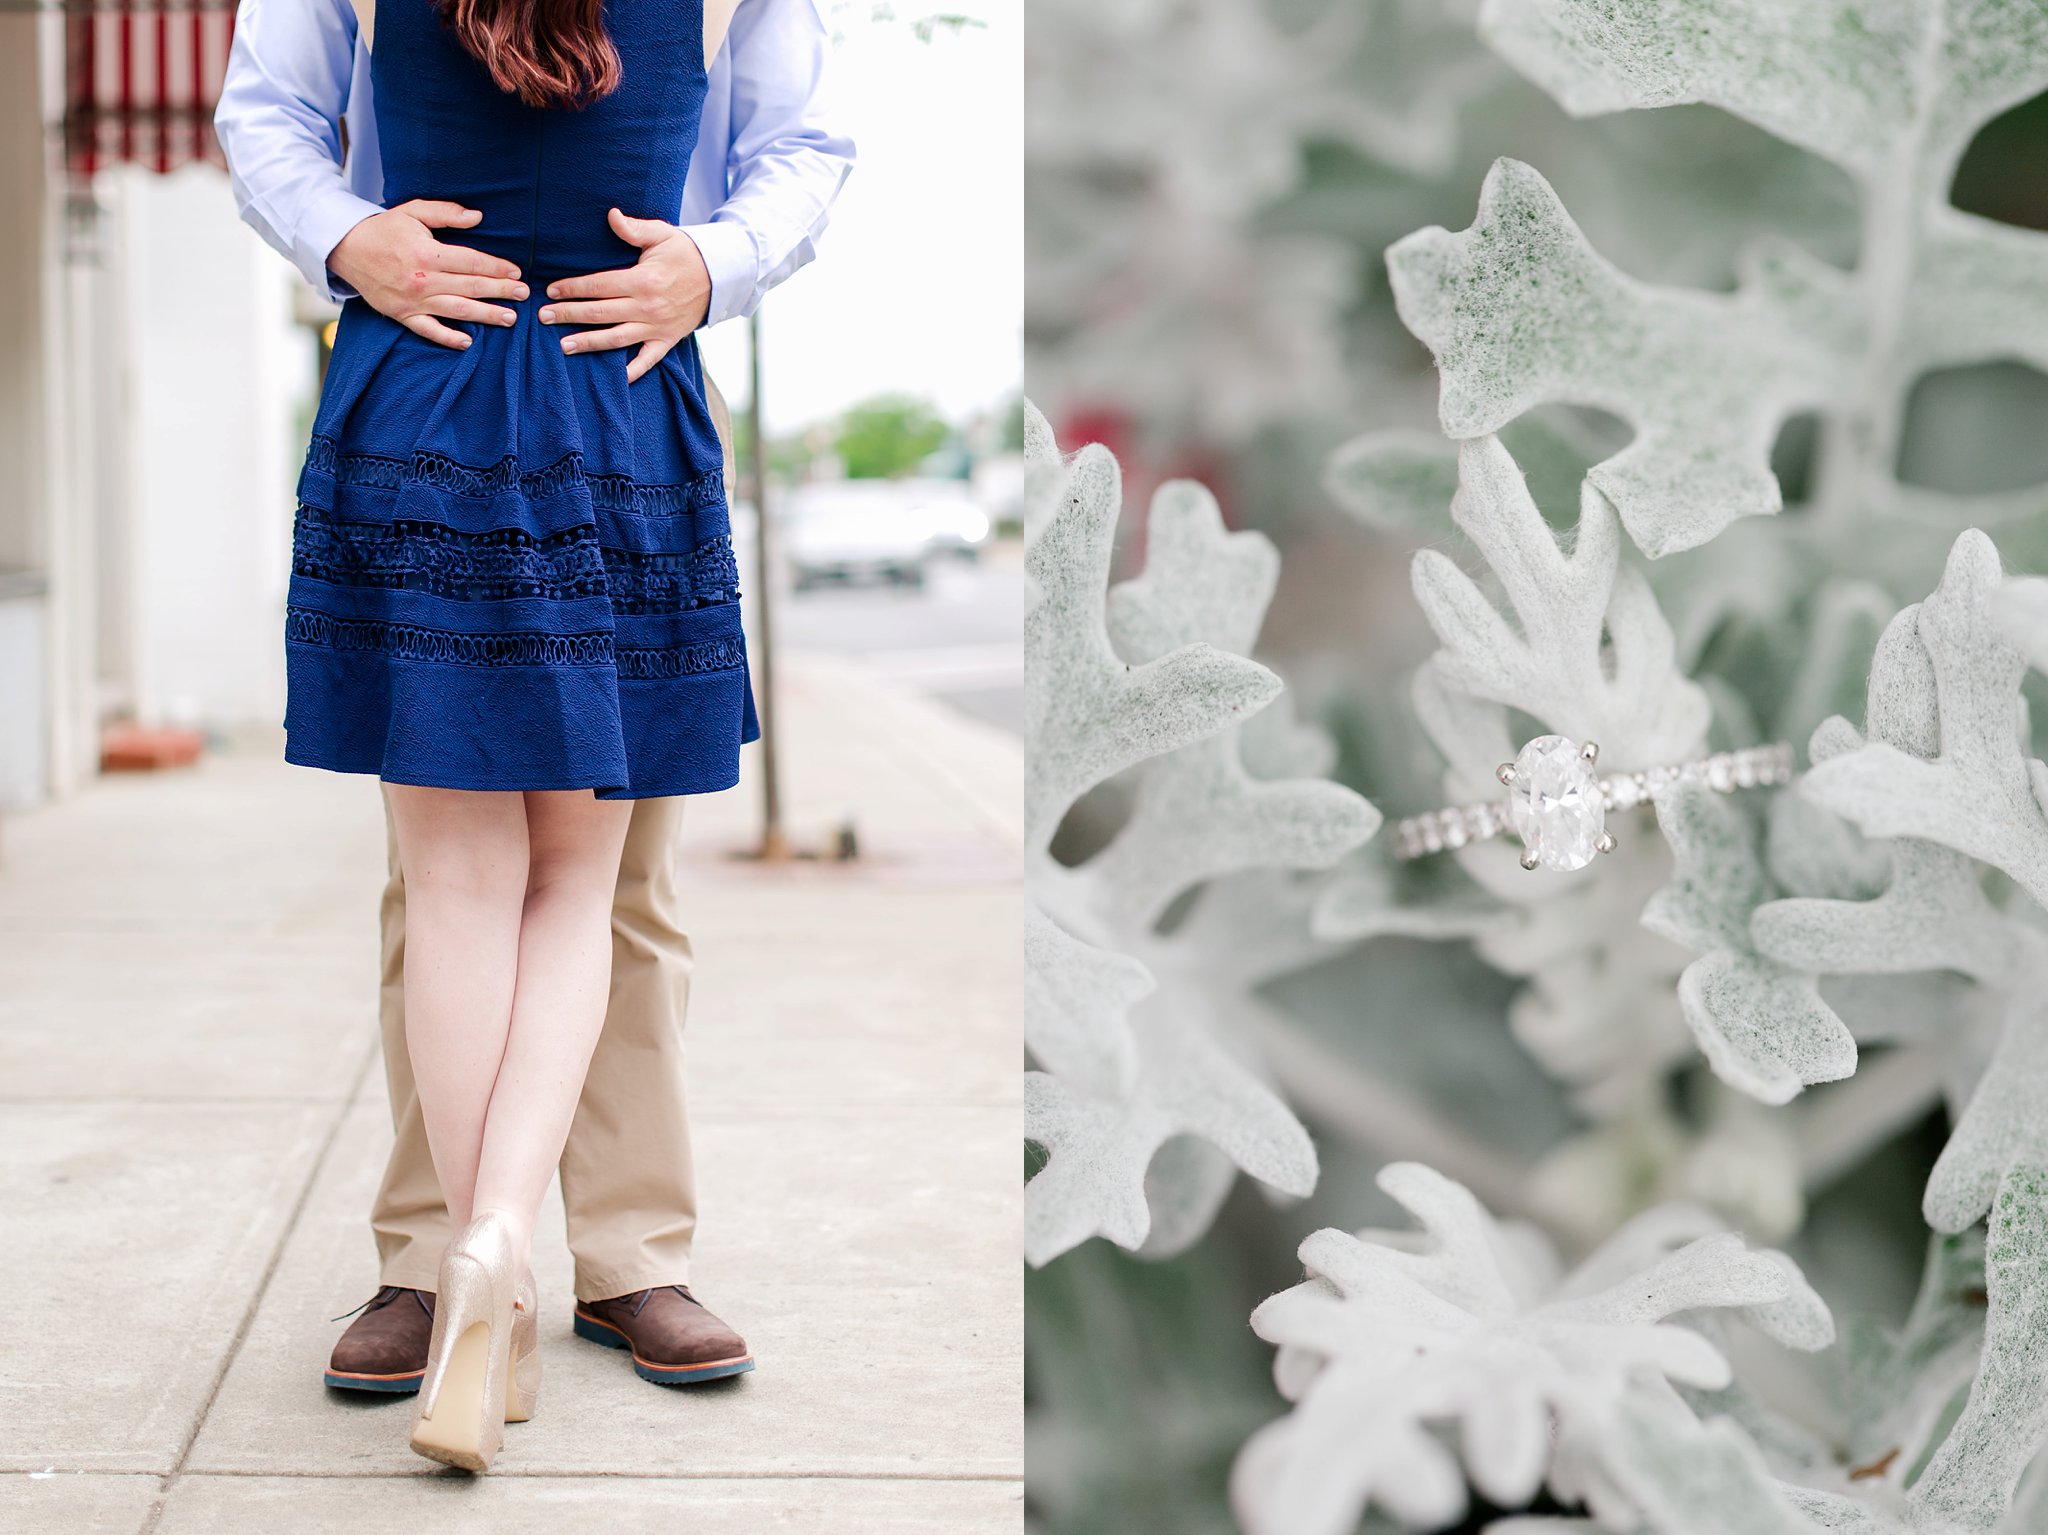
522 1382
522 1389
461 1419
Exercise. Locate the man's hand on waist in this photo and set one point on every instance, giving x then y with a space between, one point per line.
652 304
393 260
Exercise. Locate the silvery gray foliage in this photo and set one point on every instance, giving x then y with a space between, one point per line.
1761 1025
1520 309
1943 785
1879 865
1945 778
1974 1468
1983 794
1584 1385
1545 1375
1577 643
1150 1097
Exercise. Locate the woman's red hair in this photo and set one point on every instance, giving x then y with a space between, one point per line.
548 53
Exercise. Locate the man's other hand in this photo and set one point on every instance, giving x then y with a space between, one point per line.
652 304
393 260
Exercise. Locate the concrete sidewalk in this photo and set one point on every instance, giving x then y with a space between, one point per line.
192 1122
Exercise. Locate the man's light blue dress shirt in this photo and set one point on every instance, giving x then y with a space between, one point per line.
768 163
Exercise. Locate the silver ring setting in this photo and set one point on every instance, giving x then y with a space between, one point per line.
1557 804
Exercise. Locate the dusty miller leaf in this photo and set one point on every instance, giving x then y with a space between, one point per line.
1397 480
1690 1478
1390 1334
1089 714
1077 1001
1403 481
1153 1097
2002 1126
1101 1147
1972 1476
1520 310
1549 659
1199 812
1893 94
1148 255
1931 913
1577 642
1982 795
1381 897
1762 1027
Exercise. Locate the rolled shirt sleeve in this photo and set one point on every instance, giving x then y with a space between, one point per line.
786 159
289 79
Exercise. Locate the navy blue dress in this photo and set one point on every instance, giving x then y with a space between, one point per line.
511 569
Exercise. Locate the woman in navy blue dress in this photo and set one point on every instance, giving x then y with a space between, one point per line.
513 599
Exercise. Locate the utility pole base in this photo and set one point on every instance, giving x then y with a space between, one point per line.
843 846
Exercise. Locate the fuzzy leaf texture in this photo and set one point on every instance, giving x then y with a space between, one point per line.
1520 309
1983 795
1944 774
1561 629
1151 1097
1762 1027
1472 1324
1582 646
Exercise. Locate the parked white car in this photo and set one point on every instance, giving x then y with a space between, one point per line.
957 523
854 530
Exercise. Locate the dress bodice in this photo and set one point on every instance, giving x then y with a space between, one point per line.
543 178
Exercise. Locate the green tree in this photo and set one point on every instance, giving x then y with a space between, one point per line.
889 436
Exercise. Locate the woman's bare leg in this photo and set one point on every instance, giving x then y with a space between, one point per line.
573 844
466 869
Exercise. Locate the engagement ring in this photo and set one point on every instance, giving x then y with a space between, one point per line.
1558 806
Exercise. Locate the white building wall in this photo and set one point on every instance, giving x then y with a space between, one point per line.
37 740
218 383
154 393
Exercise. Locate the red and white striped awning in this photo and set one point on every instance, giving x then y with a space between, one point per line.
142 79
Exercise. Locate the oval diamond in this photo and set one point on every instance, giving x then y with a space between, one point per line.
1554 804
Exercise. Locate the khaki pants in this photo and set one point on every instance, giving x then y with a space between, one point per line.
627 1177
628 1182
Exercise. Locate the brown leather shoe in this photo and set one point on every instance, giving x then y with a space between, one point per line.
385 1349
674 1340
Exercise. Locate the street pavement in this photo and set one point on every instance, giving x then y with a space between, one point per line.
958 639
192 1123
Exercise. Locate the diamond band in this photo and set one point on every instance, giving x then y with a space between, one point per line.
1558 806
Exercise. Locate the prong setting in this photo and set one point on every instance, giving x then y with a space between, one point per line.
1505 773
1606 844
1590 753
1555 804
1528 858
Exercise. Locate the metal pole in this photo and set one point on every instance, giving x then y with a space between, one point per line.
773 844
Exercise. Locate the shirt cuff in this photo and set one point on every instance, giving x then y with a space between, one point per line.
332 215
728 252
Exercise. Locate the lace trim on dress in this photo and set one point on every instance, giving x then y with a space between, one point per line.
614 492
507 563
416 642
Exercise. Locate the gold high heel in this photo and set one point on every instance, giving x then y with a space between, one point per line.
468 1383
522 1384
